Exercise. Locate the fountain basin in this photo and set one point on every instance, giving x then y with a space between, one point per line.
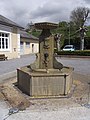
42 82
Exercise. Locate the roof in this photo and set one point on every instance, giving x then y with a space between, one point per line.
24 34
7 22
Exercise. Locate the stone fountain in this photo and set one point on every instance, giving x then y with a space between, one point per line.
45 77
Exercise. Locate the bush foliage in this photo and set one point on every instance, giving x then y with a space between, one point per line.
78 52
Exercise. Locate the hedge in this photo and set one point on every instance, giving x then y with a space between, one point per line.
78 52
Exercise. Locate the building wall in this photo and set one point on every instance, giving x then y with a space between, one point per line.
29 46
14 44
14 50
14 37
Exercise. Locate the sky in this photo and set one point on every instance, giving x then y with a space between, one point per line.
26 11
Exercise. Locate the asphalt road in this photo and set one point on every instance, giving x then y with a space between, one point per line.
12 64
81 67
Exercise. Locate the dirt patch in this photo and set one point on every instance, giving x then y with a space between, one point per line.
15 98
80 94
77 98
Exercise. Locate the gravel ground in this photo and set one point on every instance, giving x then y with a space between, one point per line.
76 113
70 113
54 109
71 108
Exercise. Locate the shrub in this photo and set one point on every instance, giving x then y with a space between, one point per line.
78 52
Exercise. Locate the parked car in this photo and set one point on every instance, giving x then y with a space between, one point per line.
69 48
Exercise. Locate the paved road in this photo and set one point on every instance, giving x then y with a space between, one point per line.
13 64
81 67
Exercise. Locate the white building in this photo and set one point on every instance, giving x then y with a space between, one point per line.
15 42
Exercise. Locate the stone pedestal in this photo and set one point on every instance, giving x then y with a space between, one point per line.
46 48
46 77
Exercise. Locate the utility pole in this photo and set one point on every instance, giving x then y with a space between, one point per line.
69 33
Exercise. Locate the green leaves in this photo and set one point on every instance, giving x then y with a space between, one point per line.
78 52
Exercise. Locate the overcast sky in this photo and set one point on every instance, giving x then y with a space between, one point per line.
25 11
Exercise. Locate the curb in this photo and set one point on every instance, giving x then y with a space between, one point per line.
7 76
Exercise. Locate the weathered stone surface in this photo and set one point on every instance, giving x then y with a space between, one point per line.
46 77
45 83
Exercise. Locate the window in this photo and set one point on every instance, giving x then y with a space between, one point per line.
27 44
4 41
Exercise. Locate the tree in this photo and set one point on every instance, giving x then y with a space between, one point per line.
29 27
79 17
